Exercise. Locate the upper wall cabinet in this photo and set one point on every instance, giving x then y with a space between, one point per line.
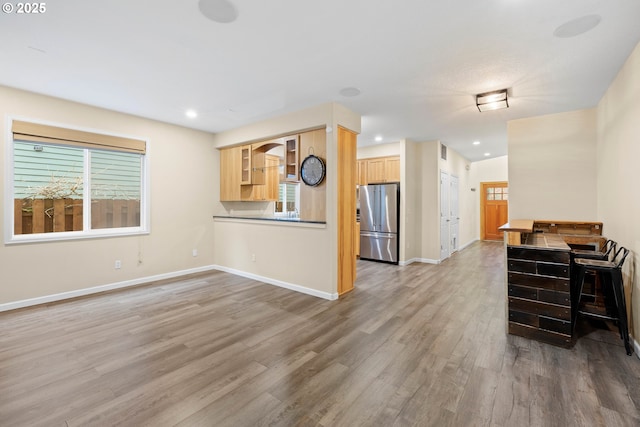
361 176
379 170
231 168
246 171
247 160
291 158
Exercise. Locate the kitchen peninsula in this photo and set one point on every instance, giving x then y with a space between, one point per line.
309 245
538 279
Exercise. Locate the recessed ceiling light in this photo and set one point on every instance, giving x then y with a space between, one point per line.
487 154
192 114
577 26
476 142
221 11
350 92
378 138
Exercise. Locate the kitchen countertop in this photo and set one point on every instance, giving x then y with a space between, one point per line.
278 219
518 225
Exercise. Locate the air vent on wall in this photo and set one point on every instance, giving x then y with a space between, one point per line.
443 152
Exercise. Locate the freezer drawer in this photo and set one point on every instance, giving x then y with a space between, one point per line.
379 246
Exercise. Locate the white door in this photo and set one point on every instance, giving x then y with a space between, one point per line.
444 216
454 213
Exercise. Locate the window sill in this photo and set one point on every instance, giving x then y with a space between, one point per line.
74 235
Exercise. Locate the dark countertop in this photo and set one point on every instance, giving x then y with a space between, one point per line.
270 218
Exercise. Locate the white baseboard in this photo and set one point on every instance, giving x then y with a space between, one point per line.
148 279
280 283
468 244
102 288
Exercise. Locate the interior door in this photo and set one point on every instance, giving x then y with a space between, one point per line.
454 213
444 216
494 209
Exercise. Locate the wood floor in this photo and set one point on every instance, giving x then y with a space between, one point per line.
417 345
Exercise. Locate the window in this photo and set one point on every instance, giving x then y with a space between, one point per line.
68 184
288 203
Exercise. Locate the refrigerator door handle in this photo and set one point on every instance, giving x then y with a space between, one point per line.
377 235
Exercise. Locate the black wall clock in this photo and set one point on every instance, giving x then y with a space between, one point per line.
312 170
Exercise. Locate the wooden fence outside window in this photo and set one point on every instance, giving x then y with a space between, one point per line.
56 215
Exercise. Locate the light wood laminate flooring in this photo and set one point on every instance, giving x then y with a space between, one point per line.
416 345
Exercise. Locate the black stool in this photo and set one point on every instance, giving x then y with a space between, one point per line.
602 253
611 274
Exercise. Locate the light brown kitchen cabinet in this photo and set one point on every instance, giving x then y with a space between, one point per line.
263 184
230 174
362 172
247 161
392 169
382 169
375 171
291 158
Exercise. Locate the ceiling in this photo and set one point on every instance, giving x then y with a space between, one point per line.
418 64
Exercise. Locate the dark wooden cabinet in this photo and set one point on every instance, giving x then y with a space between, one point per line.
538 282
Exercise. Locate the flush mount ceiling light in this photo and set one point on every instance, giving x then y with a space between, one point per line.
492 100
221 11
192 114
378 138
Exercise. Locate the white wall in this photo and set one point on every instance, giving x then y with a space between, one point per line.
429 177
184 186
552 166
410 199
618 150
380 150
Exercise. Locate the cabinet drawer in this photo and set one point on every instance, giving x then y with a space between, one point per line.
515 252
555 325
523 292
522 266
542 282
541 308
523 318
557 270
542 295
554 297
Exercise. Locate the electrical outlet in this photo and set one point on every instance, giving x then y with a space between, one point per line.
194 252
118 264
253 257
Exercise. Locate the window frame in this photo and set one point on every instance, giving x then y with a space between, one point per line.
285 213
86 233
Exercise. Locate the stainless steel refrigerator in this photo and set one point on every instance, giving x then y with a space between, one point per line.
379 222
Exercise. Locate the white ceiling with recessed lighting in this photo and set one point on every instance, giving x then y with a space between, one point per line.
417 64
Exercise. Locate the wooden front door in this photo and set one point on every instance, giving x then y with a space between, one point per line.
494 209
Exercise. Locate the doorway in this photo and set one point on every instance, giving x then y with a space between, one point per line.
449 214
494 209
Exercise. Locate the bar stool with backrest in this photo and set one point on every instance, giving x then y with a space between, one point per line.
602 253
611 275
